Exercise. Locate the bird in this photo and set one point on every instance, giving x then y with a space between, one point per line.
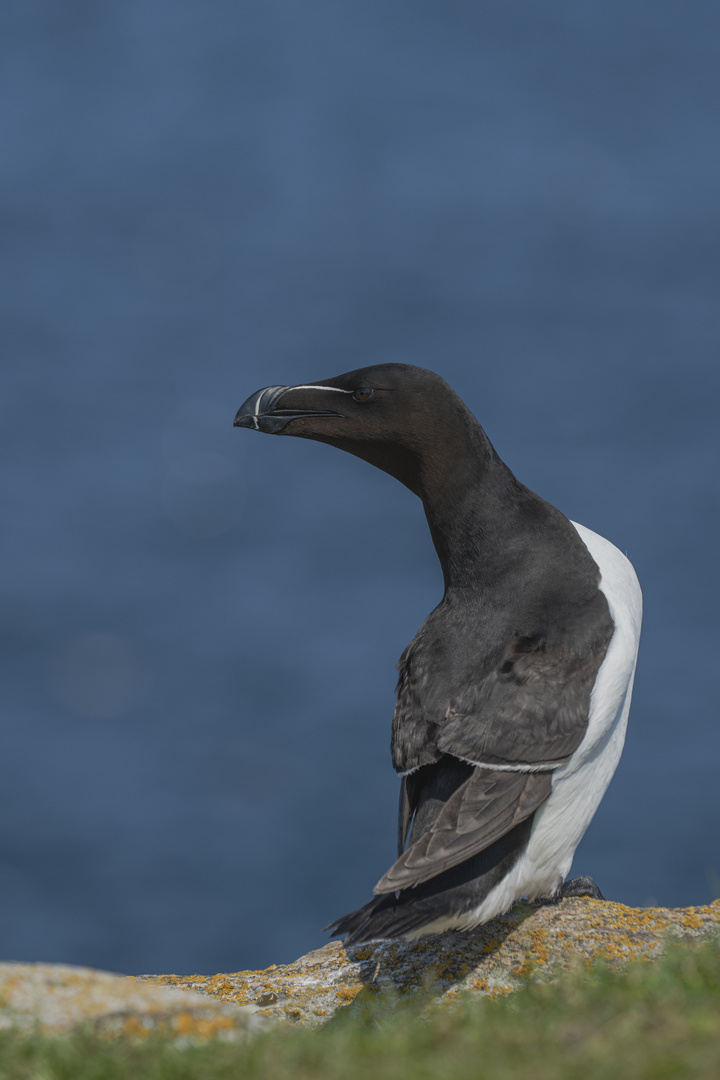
512 699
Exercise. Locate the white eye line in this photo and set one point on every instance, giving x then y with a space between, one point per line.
311 386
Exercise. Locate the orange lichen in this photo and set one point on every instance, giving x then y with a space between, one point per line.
540 947
492 960
294 1014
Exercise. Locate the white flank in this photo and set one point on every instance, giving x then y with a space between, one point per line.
579 784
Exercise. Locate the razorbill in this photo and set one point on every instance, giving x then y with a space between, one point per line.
513 696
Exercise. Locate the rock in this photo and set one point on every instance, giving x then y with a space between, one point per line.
531 941
58 998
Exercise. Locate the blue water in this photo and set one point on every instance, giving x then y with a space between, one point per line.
200 624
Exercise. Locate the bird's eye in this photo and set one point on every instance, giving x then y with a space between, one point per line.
363 393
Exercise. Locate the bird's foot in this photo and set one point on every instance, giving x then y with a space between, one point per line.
580 886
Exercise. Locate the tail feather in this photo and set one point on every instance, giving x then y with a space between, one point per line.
380 920
348 924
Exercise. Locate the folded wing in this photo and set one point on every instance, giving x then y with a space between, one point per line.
485 807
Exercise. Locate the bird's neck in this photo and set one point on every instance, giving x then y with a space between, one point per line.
474 507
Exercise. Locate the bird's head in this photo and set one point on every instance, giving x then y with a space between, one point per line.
392 415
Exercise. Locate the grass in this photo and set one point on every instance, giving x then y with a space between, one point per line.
650 1022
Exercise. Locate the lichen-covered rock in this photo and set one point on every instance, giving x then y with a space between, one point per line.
58 998
530 941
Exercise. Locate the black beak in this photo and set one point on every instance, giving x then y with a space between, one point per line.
260 412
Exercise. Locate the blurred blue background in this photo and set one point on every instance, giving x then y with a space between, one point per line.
200 625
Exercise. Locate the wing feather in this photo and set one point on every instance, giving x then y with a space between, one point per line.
525 703
481 810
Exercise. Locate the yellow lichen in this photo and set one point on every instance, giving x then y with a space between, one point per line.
540 947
